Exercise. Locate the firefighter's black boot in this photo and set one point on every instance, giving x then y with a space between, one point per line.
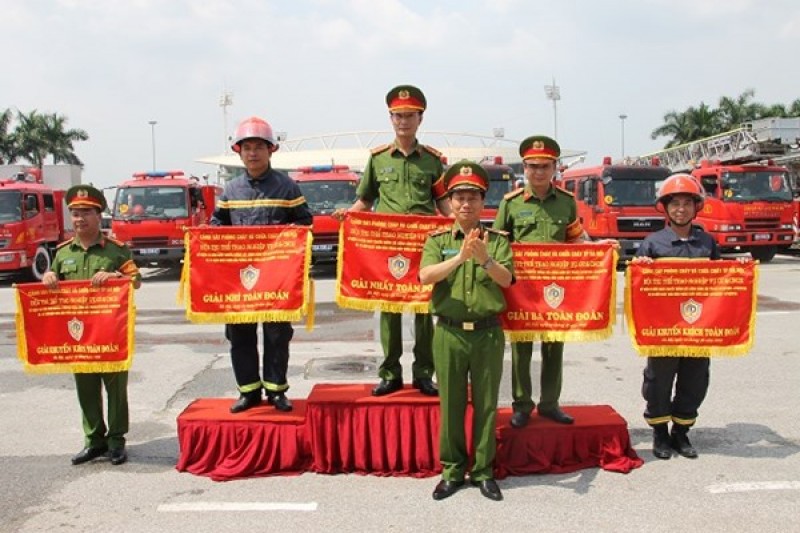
680 441
661 442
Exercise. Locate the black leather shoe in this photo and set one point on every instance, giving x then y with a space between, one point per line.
557 415
520 419
87 454
445 489
280 401
661 442
679 441
245 402
489 489
387 386
118 456
426 386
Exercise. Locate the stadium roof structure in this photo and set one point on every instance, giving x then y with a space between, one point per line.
353 149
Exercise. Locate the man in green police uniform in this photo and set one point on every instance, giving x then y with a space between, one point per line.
93 256
539 212
403 177
468 265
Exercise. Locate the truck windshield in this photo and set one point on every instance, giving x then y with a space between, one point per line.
10 206
771 186
501 182
325 196
629 192
150 202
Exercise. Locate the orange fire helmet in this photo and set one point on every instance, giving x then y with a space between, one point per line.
680 184
253 128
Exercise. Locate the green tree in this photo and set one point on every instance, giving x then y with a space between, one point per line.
676 125
733 112
41 135
7 141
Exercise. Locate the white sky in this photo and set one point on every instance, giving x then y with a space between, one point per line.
323 66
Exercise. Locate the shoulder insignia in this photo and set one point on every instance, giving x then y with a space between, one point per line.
379 149
62 244
497 232
512 194
565 191
115 241
432 150
437 232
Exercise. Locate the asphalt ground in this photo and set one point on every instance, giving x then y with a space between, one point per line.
748 434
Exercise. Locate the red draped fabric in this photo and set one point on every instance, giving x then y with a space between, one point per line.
342 428
353 431
259 442
599 437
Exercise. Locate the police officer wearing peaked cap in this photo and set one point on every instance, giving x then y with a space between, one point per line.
92 256
468 265
403 177
540 212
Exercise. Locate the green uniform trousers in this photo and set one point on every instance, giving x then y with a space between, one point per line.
549 380
90 398
464 357
392 343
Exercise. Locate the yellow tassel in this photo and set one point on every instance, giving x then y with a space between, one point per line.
22 341
359 304
559 336
184 271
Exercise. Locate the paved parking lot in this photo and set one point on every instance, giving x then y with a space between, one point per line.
748 434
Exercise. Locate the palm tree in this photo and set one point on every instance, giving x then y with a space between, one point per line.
677 126
41 135
704 121
733 112
7 141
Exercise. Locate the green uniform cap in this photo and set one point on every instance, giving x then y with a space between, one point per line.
539 146
85 196
406 97
466 175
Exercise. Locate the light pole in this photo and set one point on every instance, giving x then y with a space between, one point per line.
153 139
225 100
553 92
622 118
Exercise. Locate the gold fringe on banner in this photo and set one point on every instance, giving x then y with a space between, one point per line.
559 336
244 317
679 350
361 304
309 292
182 284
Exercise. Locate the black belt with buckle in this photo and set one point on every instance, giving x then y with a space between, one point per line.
483 323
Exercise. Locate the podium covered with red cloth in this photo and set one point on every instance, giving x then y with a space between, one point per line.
342 428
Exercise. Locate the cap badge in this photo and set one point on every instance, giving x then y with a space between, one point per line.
82 193
404 94
466 171
537 145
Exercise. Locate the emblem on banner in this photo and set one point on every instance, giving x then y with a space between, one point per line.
249 276
398 266
553 295
75 329
691 311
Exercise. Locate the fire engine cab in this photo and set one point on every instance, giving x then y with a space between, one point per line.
152 210
501 182
748 205
617 201
326 188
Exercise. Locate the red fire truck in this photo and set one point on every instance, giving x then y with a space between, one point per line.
33 220
617 201
152 210
326 188
501 182
748 204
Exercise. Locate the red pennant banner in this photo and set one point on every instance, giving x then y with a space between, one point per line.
691 307
241 274
563 292
378 263
75 328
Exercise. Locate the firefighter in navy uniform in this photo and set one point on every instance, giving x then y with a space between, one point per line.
90 255
403 177
260 196
468 265
681 198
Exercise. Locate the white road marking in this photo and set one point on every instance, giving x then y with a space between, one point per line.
198 507
753 486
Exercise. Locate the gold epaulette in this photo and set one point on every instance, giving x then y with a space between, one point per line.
115 241
565 191
62 244
498 231
512 194
432 150
379 149
437 232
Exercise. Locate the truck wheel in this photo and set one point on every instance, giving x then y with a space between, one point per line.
41 263
763 253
